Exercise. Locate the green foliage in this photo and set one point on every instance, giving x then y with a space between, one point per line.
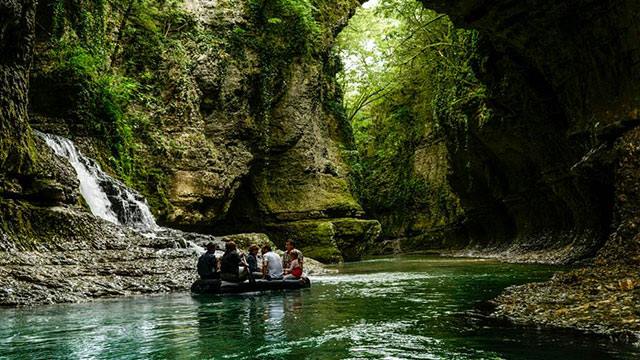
104 71
97 97
286 24
400 60
458 94
285 29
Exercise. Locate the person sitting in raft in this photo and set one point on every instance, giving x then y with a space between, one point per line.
252 261
208 263
271 264
231 263
294 271
290 247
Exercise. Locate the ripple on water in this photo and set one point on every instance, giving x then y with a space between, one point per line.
378 340
373 279
388 284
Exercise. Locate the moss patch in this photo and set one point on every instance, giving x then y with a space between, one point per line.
328 240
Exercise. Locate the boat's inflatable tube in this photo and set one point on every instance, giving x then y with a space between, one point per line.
223 287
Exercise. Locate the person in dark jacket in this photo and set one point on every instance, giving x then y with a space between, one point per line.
231 263
208 263
252 262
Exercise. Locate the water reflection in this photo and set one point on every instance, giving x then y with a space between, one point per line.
234 322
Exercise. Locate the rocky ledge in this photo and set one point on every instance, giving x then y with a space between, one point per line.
602 299
97 259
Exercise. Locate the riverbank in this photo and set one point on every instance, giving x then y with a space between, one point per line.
108 261
120 262
595 298
600 299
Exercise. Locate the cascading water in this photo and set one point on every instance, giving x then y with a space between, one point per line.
107 197
113 201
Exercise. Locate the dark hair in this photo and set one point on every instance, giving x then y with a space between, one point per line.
229 246
292 242
253 247
211 246
293 254
266 247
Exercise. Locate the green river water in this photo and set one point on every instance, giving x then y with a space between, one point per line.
402 308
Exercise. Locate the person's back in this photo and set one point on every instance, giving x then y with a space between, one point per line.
272 264
208 264
252 262
230 264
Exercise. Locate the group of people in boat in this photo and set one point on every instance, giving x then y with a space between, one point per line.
259 263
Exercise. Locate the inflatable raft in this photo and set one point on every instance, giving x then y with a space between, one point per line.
222 287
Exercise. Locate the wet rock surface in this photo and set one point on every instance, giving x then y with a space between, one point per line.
65 254
117 262
603 299
77 257
76 276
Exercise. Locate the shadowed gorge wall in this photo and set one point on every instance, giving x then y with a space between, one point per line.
16 38
538 168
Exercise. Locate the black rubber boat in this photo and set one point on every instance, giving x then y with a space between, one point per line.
222 287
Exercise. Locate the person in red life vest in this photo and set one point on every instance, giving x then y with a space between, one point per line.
290 247
294 271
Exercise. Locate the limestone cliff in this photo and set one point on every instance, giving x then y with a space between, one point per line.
223 113
52 249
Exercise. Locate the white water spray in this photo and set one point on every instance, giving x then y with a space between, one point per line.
107 197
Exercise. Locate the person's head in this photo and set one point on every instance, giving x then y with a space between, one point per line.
211 247
290 245
293 255
253 249
230 246
266 249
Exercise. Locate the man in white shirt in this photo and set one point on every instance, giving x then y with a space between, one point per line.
271 264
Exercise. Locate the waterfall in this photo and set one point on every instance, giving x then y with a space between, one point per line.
107 197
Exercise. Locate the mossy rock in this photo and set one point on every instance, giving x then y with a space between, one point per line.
328 240
355 236
243 241
314 237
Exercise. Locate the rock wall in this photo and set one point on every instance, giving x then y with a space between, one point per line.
234 121
16 39
402 182
51 248
30 176
562 87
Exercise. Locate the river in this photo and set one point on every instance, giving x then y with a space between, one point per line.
412 307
